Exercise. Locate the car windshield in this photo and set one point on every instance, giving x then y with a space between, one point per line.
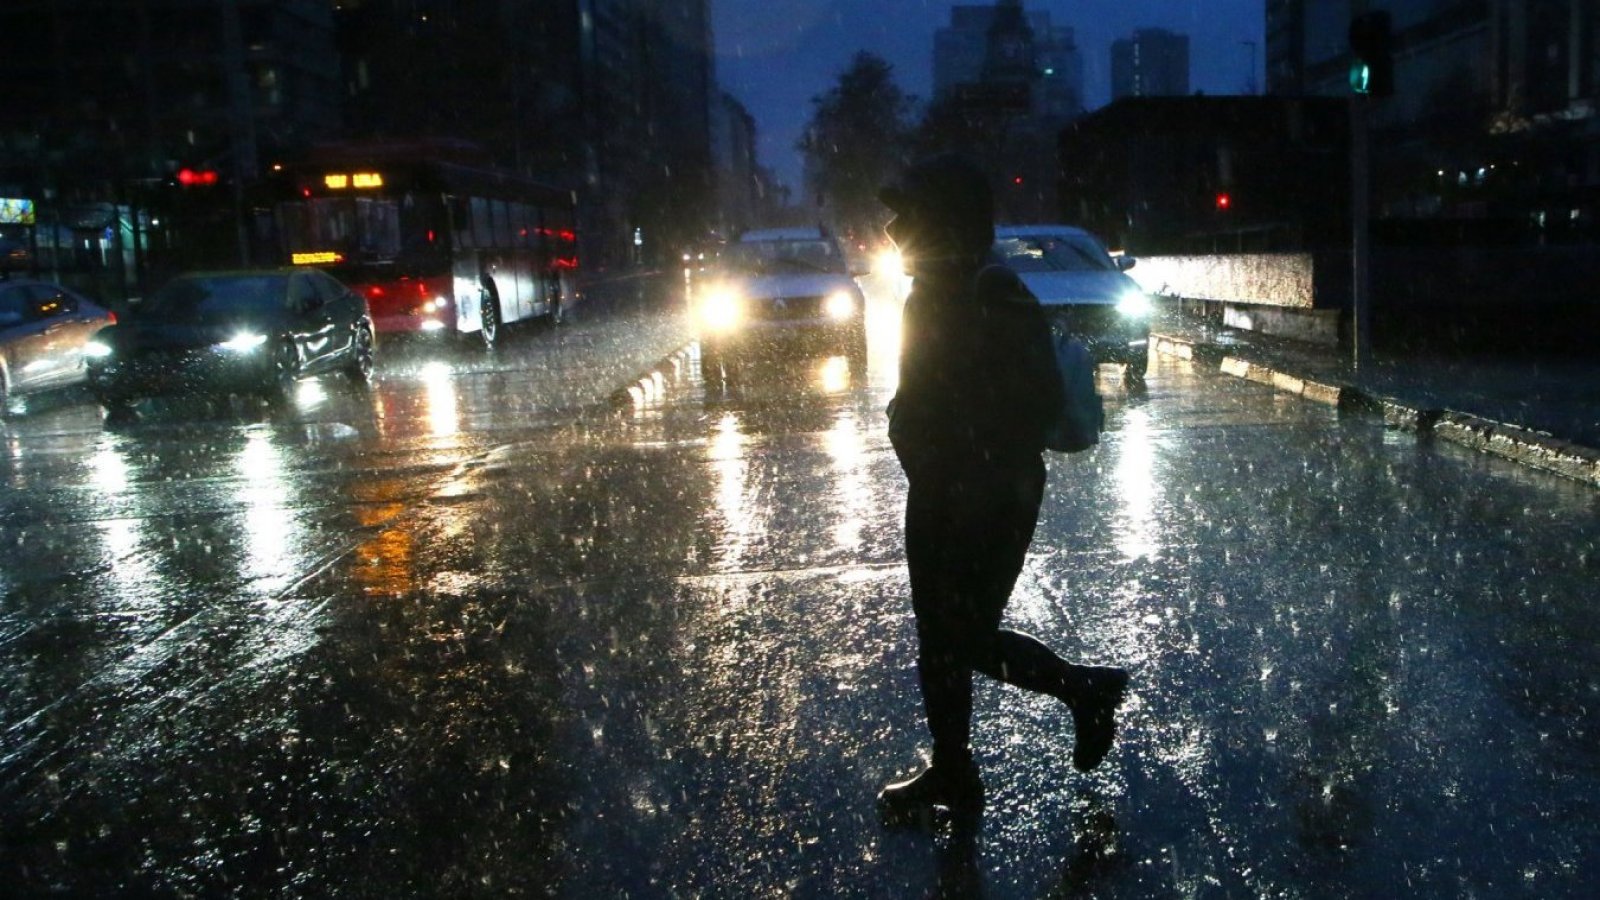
203 298
1052 253
767 257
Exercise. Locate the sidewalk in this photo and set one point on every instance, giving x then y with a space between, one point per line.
1541 413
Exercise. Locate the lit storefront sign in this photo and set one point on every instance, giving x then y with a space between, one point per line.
17 212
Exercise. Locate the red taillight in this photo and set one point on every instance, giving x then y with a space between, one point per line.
374 291
422 289
113 317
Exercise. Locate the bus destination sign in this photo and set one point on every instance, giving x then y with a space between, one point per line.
343 181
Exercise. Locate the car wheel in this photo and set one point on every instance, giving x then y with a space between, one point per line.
361 357
489 316
558 312
285 371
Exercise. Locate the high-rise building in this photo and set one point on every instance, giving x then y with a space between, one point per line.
1154 62
144 86
107 100
961 49
614 96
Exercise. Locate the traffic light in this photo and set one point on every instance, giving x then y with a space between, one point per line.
1224 201
1371 63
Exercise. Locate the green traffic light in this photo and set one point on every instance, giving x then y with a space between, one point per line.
1360 77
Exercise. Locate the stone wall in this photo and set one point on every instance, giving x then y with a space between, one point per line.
1293 295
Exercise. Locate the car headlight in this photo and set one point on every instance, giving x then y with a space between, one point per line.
97 350
721 310
839 305
1135 305
889 262
243 342
436 305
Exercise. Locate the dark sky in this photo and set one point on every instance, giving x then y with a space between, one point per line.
775 55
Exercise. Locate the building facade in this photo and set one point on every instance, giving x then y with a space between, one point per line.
1493 122
108 100
611 97
1154 62
614 97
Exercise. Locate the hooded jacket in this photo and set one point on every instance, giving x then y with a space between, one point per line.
978 381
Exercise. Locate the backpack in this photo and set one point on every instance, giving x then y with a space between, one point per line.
1076 426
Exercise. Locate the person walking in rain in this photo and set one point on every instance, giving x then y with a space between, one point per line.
978 388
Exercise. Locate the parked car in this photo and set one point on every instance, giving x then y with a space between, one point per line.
1084 290
787 284
250 332
43 331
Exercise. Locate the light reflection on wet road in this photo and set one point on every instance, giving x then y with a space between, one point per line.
448 639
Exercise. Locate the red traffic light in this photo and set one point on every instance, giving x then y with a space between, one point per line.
195 177
1224 201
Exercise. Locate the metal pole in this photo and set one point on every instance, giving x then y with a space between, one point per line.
1360 244
241 119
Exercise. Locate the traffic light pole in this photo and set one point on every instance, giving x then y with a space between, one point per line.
1360 243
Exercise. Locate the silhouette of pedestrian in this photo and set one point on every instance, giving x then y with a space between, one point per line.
978 386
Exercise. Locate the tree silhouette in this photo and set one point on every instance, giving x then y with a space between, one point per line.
857 139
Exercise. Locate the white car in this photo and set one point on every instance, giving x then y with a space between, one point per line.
1083 289
43 331
791 285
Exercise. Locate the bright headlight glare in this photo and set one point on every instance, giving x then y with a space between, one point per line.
840 305
96 350
721 310
889 263
244 342
1134 304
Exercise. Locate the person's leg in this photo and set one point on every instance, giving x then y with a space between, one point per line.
942 666
1000 533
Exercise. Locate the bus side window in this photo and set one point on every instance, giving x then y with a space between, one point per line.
521 226
482 223
502 225
461 222
541 233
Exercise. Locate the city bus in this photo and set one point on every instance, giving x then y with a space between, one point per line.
434 246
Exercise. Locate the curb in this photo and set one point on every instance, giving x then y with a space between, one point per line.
1535 449
651 384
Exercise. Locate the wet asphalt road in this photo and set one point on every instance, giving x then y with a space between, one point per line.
474 633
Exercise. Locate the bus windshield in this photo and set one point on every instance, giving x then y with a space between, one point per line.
359 229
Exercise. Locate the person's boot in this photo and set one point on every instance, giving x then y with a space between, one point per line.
956 788
1094 709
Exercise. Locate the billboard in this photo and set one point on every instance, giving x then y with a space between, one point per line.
16 212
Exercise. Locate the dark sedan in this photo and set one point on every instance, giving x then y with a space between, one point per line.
254 332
